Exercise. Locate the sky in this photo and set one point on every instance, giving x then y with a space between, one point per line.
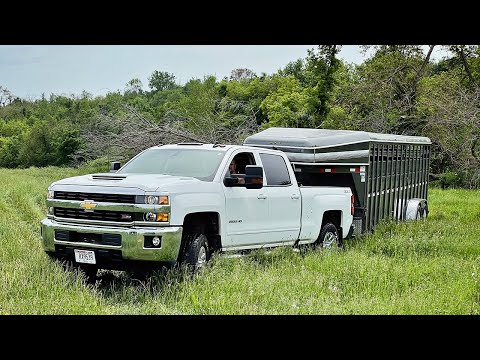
27 71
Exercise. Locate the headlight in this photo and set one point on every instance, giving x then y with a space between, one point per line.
156 200
151 199
50 194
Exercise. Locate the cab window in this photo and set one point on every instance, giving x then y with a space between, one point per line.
275 169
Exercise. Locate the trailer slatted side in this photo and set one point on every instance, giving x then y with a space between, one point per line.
394 168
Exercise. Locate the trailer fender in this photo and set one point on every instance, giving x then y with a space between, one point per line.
415 209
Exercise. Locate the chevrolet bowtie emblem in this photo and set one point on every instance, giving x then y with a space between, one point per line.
88 205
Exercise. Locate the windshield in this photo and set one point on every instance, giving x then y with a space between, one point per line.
197 163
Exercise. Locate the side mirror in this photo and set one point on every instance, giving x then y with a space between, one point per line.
230 181
253 177
114 166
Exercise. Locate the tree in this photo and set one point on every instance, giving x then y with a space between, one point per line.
67 142
37 149
290 105
322 65
297 69
464 53
161 80
251 92
452 121
243 74
382 93
9 149
6 97
134 86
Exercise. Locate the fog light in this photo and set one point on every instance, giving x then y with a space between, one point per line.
156 241
150 216
50 210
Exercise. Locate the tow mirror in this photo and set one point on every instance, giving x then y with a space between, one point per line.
253 177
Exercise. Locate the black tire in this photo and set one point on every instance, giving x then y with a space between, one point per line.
329 237
51 256
422 212
425 211
139 275
67 265
197 252
90 273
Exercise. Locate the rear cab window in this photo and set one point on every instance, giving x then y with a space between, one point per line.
276 170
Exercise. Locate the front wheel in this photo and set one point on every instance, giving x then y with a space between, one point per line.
197 252
89 271
329 237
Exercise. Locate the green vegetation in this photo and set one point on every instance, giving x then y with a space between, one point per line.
398 89
427 267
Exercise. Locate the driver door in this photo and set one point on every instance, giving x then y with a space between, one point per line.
247 210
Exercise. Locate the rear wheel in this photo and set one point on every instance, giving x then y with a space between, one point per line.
197 252
329 237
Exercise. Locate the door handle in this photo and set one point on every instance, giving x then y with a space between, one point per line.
295 197
261 196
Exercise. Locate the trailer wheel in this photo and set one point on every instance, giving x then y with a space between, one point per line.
422 212
329 237
197 253
419 213
425 211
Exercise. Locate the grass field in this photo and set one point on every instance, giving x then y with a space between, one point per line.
427 267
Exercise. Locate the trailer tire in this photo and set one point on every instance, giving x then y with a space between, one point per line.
422 212
425 211
329 237
419 213
197 252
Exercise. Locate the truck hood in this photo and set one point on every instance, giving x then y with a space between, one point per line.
145 182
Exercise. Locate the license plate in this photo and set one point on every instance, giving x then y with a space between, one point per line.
85 256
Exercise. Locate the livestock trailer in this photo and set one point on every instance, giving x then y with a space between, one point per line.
388 174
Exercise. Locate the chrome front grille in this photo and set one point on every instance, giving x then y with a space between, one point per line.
97 197
100 215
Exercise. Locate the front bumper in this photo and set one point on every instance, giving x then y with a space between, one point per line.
132 241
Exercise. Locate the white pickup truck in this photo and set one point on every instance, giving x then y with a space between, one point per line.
179 203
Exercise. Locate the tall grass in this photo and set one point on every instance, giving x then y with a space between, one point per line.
426 267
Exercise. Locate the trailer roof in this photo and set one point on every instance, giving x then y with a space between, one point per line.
315 138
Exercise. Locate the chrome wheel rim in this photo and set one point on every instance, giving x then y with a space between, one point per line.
202 257
330 240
